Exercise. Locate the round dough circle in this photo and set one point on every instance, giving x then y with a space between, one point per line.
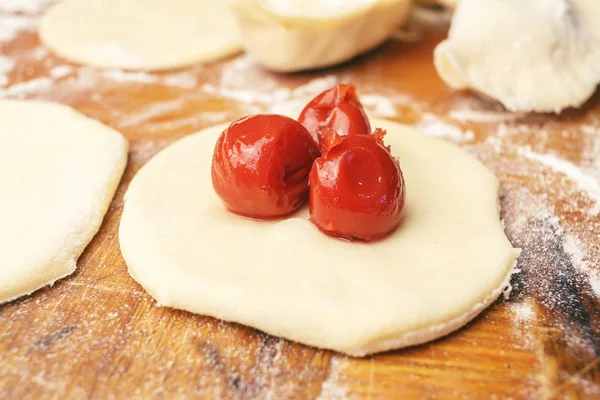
59 171
140 34
447 261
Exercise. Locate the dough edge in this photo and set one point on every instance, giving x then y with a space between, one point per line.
362 345
68 261
71 265
430 333
393 342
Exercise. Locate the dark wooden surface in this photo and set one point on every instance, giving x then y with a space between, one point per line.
97 334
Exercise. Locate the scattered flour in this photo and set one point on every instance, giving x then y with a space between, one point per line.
61 71
334 388
316 86
12 25
175 79
20 90
467 115
184 80
595 284
85 77
127 76
278 100
6 65
151 111
578 254
264 93
40 53
114 51
585 183
24 6
379 105
523 312
433 126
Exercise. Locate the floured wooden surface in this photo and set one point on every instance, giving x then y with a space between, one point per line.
98 334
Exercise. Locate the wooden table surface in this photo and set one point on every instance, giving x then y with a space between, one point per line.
97 334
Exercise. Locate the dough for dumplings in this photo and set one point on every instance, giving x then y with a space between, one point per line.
140 34
535 55
447 261
59 171
295 35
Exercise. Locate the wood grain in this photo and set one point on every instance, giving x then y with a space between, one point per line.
97 334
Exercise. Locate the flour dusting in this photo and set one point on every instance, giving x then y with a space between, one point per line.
24 6
184 80
585 183
6 65
114 51
61 71
12 25
578 254
523 312
434 126
379 105
334 388
20 90
595 284
264 93
468 115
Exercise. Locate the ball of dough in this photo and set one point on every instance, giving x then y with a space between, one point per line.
538 55
59 171
447 261
295 35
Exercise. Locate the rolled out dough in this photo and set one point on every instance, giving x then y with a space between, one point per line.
59 171
447 261
140 34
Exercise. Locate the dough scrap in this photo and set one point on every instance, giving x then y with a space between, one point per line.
140 34
448 260
538 55
295 35
59 171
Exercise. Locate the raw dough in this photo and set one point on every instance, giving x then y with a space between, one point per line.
537 55
140 34
294 35
59 171
448 260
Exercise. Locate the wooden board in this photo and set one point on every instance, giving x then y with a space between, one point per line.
97 334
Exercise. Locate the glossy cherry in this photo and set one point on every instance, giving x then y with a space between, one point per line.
357 189
337 108
261 164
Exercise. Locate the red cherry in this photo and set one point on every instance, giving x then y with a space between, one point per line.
357 189
261 164
337 108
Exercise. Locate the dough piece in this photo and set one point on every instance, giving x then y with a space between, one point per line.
59 171
140 34
538 55
448 260
294 35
